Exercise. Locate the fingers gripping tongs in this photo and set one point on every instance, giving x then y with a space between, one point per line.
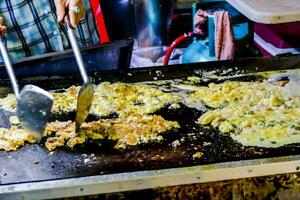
86 92
33 103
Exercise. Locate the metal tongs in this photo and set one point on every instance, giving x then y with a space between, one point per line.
33 103
86 92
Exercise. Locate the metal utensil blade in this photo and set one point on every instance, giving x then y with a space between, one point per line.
84 103
33 108
33 103
86 93
293 81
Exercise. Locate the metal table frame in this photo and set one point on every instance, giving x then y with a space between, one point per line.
150 179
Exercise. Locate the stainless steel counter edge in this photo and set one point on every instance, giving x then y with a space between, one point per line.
150 179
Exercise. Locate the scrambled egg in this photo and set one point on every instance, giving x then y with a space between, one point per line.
131 131
65 101
253 113
127 99
63 133
14 138
121 98
131 102
9 101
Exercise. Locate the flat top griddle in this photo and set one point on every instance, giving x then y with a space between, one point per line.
32 172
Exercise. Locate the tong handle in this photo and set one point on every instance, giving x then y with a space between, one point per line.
76 50
9 67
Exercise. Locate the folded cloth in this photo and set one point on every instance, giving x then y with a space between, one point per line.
224 40
200 17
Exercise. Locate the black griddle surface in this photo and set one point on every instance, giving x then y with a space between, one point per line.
34 163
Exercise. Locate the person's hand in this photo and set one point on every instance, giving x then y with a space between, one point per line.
2 27
73 8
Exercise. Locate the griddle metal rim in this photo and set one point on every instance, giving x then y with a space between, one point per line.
120 182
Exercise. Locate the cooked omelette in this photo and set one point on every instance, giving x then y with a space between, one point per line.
252 113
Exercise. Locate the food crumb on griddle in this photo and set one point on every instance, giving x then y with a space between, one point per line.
182 140
14 120
205 144
194 79
86 160
198 155
176 143
174 106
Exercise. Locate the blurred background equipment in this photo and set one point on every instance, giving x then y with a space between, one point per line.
203 49
277 28
119 18
147 21
276 39
152 20
110 56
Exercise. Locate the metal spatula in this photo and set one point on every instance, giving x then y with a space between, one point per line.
86 92
33 103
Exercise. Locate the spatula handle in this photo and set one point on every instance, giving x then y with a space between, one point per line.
76 50
9 67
